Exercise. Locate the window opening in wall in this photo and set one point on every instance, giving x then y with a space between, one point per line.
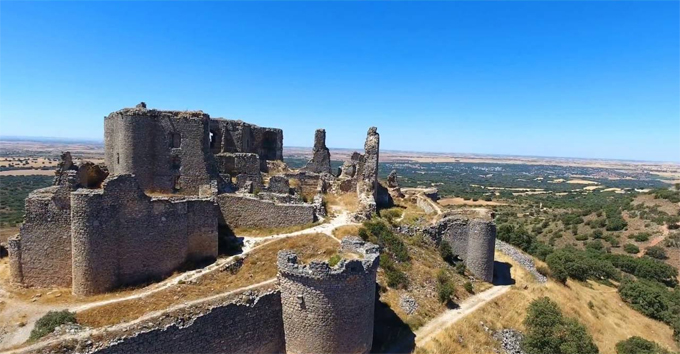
118 158
176 184
175 140
213 139
269 145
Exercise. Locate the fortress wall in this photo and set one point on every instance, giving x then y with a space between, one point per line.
245 211
328 310
235 136
121 236
236 328
202 229
128 142
40 255
481 247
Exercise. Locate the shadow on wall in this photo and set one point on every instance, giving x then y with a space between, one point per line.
389 329
227 242
501 273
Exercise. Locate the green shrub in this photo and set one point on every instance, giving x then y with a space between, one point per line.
548 332
445 288
468 287
640 236
446 252
335 259
656 252
53 319
631 248
653 300
543 270
377 231
396 278
638 345
460 268
581 237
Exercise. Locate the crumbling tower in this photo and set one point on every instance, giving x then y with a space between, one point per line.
329 309
321 158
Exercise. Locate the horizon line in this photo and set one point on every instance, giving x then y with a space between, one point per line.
452 154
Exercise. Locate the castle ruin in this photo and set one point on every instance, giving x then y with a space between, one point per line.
171 180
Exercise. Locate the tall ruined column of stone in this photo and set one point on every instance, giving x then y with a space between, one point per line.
481 245
367 185
321 159
329 309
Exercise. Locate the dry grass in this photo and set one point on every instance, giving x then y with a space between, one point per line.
27 173
461 201
609 321
346 201
663 204
268 231
258 266
346 230
8 232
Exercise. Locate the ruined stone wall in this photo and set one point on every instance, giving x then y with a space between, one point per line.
201 229
166 150
473 240
246 211
328 309
251 323
235 136
40 255
121 236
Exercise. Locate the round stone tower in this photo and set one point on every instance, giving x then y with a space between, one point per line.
329 309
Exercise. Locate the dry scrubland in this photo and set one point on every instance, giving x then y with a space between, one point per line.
608 321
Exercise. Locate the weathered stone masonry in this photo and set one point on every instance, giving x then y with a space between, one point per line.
122 236
473 240
329 309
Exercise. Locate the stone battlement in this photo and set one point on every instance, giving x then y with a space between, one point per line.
288 265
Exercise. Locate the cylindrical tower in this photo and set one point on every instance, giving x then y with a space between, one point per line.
329 309
481 244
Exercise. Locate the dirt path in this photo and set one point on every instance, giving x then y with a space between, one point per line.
427 332
32 312
656 240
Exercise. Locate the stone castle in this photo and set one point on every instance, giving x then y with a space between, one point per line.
171 179
174 185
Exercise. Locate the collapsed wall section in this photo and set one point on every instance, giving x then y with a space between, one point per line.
121 236
235 136
329 309
240 210
40 255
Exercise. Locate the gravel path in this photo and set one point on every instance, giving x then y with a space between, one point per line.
520 257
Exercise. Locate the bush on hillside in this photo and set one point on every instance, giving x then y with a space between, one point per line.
48 323
445 287
656 252
653 300
638 345
548 332
446 252
631 248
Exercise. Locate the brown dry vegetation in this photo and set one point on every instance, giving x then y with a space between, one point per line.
609 321
268 231
344 201
346 230
258 266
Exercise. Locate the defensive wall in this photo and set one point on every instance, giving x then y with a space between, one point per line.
249 211
122 236
329 309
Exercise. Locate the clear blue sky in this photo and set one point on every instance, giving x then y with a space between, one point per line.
574 79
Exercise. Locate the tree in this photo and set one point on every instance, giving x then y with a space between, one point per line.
548 332
638 345
656 252
446 252
631 248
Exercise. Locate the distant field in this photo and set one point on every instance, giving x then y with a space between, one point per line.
461 201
